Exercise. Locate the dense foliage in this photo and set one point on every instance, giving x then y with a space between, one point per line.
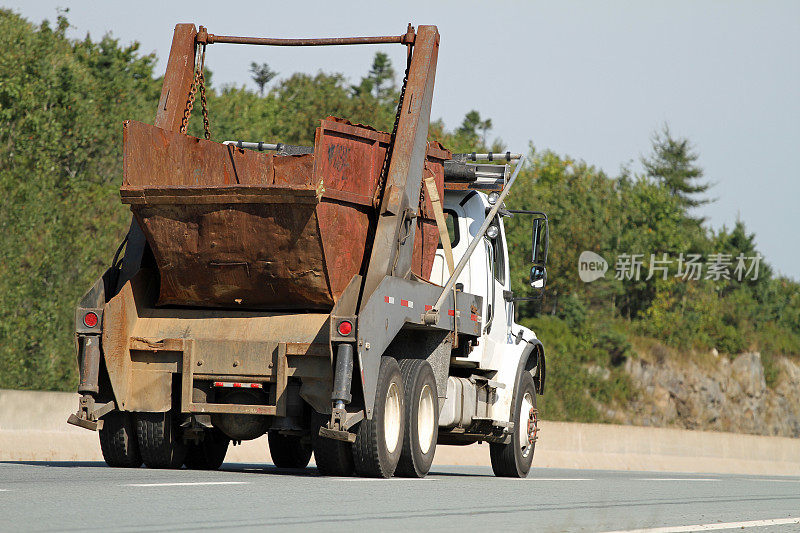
62 102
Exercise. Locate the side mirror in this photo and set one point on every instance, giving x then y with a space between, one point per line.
538 276
540 241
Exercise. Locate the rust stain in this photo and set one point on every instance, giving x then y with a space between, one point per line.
237 228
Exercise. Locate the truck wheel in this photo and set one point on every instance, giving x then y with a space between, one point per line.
160 440
209 453
288 451
379 442
514 459
118 441
422 418
333 457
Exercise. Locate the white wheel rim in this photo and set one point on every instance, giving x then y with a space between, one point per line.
425 420
526 405
391 418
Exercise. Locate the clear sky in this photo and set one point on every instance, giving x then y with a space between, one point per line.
589 79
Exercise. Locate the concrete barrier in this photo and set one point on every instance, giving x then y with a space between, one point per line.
33 428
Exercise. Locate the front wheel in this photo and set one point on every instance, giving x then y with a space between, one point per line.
514 459
379 441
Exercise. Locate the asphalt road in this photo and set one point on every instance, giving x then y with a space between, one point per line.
92 497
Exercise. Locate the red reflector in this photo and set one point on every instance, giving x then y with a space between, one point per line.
90 319
345 328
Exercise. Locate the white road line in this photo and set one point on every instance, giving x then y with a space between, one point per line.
559 479
186 484
5 490
381 479
677 479
713 527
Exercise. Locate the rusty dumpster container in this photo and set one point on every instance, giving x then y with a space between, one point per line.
242 229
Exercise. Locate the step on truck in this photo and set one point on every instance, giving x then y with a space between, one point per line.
350 299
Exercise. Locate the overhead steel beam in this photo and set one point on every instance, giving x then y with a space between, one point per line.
209 38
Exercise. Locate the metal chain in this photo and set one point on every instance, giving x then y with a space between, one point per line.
199 81
204 105
390 148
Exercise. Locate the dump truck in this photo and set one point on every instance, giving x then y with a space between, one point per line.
349 299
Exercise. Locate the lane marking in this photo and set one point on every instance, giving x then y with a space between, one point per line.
186 484
382 479
676 479
713 527
560 479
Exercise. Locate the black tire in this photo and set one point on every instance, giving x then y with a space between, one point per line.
118 441
160 440
421 398
333 457
289 451
372 455
209 453
514 459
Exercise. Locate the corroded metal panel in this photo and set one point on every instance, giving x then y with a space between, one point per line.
144 346
237 228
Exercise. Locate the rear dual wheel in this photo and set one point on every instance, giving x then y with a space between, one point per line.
422 418
333 457
209 453
379 441
118 441
401 436
289 451
160 440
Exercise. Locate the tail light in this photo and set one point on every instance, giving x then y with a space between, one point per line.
345 328
90 319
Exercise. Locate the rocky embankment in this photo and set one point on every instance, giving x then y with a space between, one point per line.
724 395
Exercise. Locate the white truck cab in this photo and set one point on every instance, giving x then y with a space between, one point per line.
487 379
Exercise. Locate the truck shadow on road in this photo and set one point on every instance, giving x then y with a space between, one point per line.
246 468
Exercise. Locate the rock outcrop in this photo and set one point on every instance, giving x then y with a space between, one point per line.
726 396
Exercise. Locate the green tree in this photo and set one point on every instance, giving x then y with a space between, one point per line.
62 103
262 74
673 164
472 124
381 76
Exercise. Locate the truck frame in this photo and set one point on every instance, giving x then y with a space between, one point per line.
404 354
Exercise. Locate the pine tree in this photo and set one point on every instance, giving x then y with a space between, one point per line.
672 163
473 123
262 75
381 75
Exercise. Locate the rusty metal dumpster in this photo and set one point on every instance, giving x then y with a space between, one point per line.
243 229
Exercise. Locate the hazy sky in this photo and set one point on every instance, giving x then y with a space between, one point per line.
588 79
